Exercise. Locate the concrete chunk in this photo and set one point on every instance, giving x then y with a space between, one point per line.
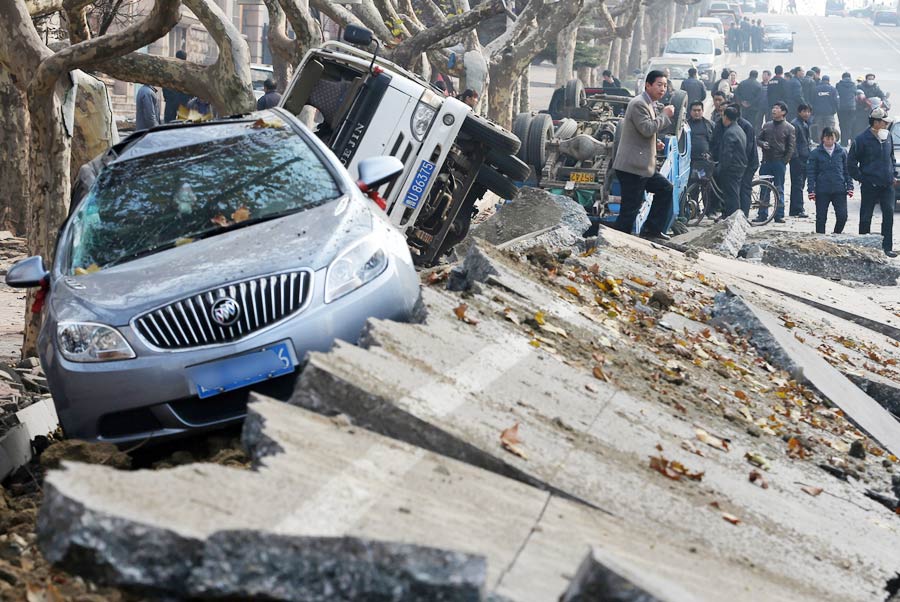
783 350
725 237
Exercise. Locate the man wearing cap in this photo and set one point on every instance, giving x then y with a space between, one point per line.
824 107
871 163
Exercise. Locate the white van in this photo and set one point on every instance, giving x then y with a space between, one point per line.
713 22
719 40
699 45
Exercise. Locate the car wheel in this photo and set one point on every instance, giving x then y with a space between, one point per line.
508 165
490 134
496 182
575 95
520 130
540 131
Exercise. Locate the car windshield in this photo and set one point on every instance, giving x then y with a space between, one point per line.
675 71
164 193
690 46
777 29
713 24
834 4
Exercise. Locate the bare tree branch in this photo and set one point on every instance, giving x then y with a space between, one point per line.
109 17
411 48
308 31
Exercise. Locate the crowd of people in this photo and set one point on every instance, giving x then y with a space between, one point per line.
746 36
792 123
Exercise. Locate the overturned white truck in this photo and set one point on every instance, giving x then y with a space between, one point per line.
370 106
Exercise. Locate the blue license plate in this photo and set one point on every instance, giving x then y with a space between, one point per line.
241 370
419 185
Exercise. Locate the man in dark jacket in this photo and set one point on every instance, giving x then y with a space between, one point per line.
793 95
271 98
732 161
701 135
752 160
778 140
747 96
828 181
759 32
175 99
776 91
146 113
871 163
696 91
846 91
808 83
610 81
764 105
798 161
871 88
824 108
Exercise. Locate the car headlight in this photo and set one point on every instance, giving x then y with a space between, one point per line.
421 120
361 263
89 342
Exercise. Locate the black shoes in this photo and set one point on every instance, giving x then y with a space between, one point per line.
801 215
779 220
655 235
890 253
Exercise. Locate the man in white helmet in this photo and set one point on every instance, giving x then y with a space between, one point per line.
871 163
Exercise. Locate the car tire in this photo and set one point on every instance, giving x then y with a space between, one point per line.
575 96
508 165
496 182
566 129
540 131
490 134
520 130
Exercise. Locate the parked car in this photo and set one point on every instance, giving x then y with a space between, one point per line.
884 15
778 36
207 260
727 17
736 9
713 22
835 8
864 12
369 106
719 38
698 46
718 5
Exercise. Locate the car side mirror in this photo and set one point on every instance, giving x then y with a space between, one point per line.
27 273
375 171
718 51
358 36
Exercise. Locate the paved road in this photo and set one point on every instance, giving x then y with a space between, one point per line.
833 44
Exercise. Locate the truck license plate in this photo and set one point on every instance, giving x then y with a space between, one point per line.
581 177
419 185
241 370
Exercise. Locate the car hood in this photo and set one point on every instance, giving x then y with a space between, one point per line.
308 239
778 36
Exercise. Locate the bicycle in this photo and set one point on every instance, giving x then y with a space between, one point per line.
702 199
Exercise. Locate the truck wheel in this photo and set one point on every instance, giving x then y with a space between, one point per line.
539 133
490 134
508 165
575 96
520 129
566 129
496 182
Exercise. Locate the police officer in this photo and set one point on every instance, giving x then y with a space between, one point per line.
824 107
871 163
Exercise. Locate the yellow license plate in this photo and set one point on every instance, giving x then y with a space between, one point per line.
580 176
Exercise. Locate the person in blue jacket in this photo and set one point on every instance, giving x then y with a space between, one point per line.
871 163
828 181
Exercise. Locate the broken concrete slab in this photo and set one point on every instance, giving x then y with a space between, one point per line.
35 420
601 578
453 388
725 237
783 350
332 512
885 392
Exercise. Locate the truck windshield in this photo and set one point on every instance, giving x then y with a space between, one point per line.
689 46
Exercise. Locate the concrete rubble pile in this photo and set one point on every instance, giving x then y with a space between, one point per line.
580 419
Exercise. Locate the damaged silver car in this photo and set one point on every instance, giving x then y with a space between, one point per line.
205 261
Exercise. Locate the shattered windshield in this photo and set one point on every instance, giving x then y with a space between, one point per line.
165 192
690 46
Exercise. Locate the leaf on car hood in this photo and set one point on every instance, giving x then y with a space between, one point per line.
241 214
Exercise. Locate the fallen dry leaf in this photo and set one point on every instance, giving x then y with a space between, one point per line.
740 395
435 277
813 491
554 330
757 459
509 315
756 477
672 469
241 214
796 449
600 374
731 518
539 318
509 440
689 446
460 312
574 291
711 440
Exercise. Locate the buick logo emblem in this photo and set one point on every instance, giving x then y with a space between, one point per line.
225 311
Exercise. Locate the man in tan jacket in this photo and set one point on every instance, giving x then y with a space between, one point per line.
635 161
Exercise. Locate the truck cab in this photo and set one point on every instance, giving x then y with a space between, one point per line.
367 106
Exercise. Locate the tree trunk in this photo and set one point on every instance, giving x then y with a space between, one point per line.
500 106
584 74
14 160
615 52
95 126
634 53
565 53
525 91
48 204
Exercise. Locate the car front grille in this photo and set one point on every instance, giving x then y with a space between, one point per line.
205 319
